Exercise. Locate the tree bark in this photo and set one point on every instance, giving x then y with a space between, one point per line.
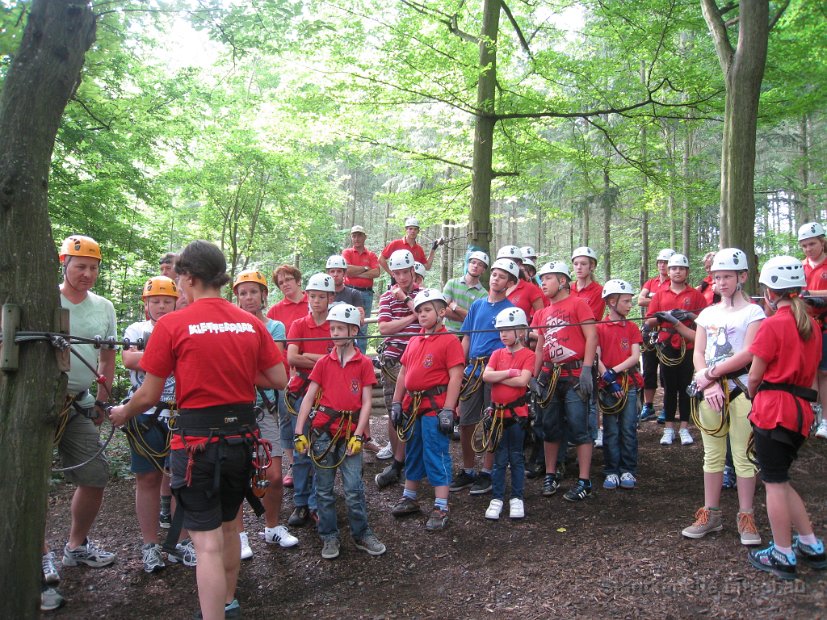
41 79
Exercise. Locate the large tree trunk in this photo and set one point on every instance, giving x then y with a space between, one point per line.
40 81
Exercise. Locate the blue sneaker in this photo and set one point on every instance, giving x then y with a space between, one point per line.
647 413
773 561
730 481
662 417
611 481
812 555
627 481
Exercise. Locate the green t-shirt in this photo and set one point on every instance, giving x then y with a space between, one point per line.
457 290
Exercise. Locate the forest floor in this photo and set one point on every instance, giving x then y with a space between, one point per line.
617 554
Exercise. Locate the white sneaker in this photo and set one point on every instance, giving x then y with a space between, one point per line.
821 431
494 509
50 574
686 438
598 443
516 510
280 535
385 453
246 550
668 437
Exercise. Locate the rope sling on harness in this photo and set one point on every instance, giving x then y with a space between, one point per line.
609 403
665 359
696 396
136 430
405 430
343 433
489 430
472 381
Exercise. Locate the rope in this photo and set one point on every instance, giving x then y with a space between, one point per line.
723 427
670 361
489 430
134 431
473 380
342 432
620 405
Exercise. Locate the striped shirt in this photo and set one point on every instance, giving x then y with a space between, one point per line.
391 309
457 290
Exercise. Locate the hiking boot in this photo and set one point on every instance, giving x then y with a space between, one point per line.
330 549
730 480
706 521
388 477
668 437
482 484
50 599
184 553
580 491
550 484
246 550
812 555
747 530
494 509
385 453
280 536
662 417
647 412
611 482
151 556
462 480
773 561
299 517
370 544
686 438
627 481
405 506
50 574
598 443
165 520
87 554
437 521
516 509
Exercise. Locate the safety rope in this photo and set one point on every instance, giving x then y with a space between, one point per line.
342 433
135 432
665 360
472 381
553 378
622 400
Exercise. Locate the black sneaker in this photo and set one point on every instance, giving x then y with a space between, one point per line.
461 481
578 492
773 561
405 506
535 470
482 484
299 517
812 555
550 484
388 477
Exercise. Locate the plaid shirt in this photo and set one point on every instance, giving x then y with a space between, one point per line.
391 309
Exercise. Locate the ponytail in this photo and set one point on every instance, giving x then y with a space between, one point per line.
803 322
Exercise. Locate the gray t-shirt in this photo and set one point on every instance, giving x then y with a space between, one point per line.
350 296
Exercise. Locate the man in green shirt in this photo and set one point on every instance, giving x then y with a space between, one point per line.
460 293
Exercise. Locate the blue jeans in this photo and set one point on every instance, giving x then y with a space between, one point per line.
620 439
354 490
304 492
367 304
509 452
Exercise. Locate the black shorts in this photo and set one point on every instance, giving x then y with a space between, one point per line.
776 450
206 508
650 370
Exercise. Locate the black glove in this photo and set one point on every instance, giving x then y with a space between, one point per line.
396 414
586 385
435 245
666 317
445 420
535 387
683 315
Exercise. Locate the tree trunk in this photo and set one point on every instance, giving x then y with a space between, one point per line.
803 212
40 81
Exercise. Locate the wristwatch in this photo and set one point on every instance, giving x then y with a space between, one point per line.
453 306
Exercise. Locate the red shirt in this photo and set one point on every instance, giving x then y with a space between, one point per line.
288 312
789 360
215 350
503 359
306 328
402 244
563 340
816 276
666 299
365 258
705 289
615 339
426 360
524 295
341 387
593 294
655 284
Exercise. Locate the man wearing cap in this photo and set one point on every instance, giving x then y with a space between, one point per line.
460 293
362 270
408 242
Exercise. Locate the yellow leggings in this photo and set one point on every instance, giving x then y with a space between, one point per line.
738 431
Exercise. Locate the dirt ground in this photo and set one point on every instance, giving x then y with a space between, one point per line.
618 554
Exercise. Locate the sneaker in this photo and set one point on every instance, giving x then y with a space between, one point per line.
184 553
662 417
299 517
385 453
165 520
686 438
231 610
330 549
611 482
730 480
151 555
494 509
370 544
287 481
747 530
482 484
405 506
388 477
812 555
550 484
773 561
461 481
647 412
246 550
50 599
535 470
437 521
280 536
50 574
821 431
598 443
628 480
578 492
516 509
706 521
668 437
87 554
